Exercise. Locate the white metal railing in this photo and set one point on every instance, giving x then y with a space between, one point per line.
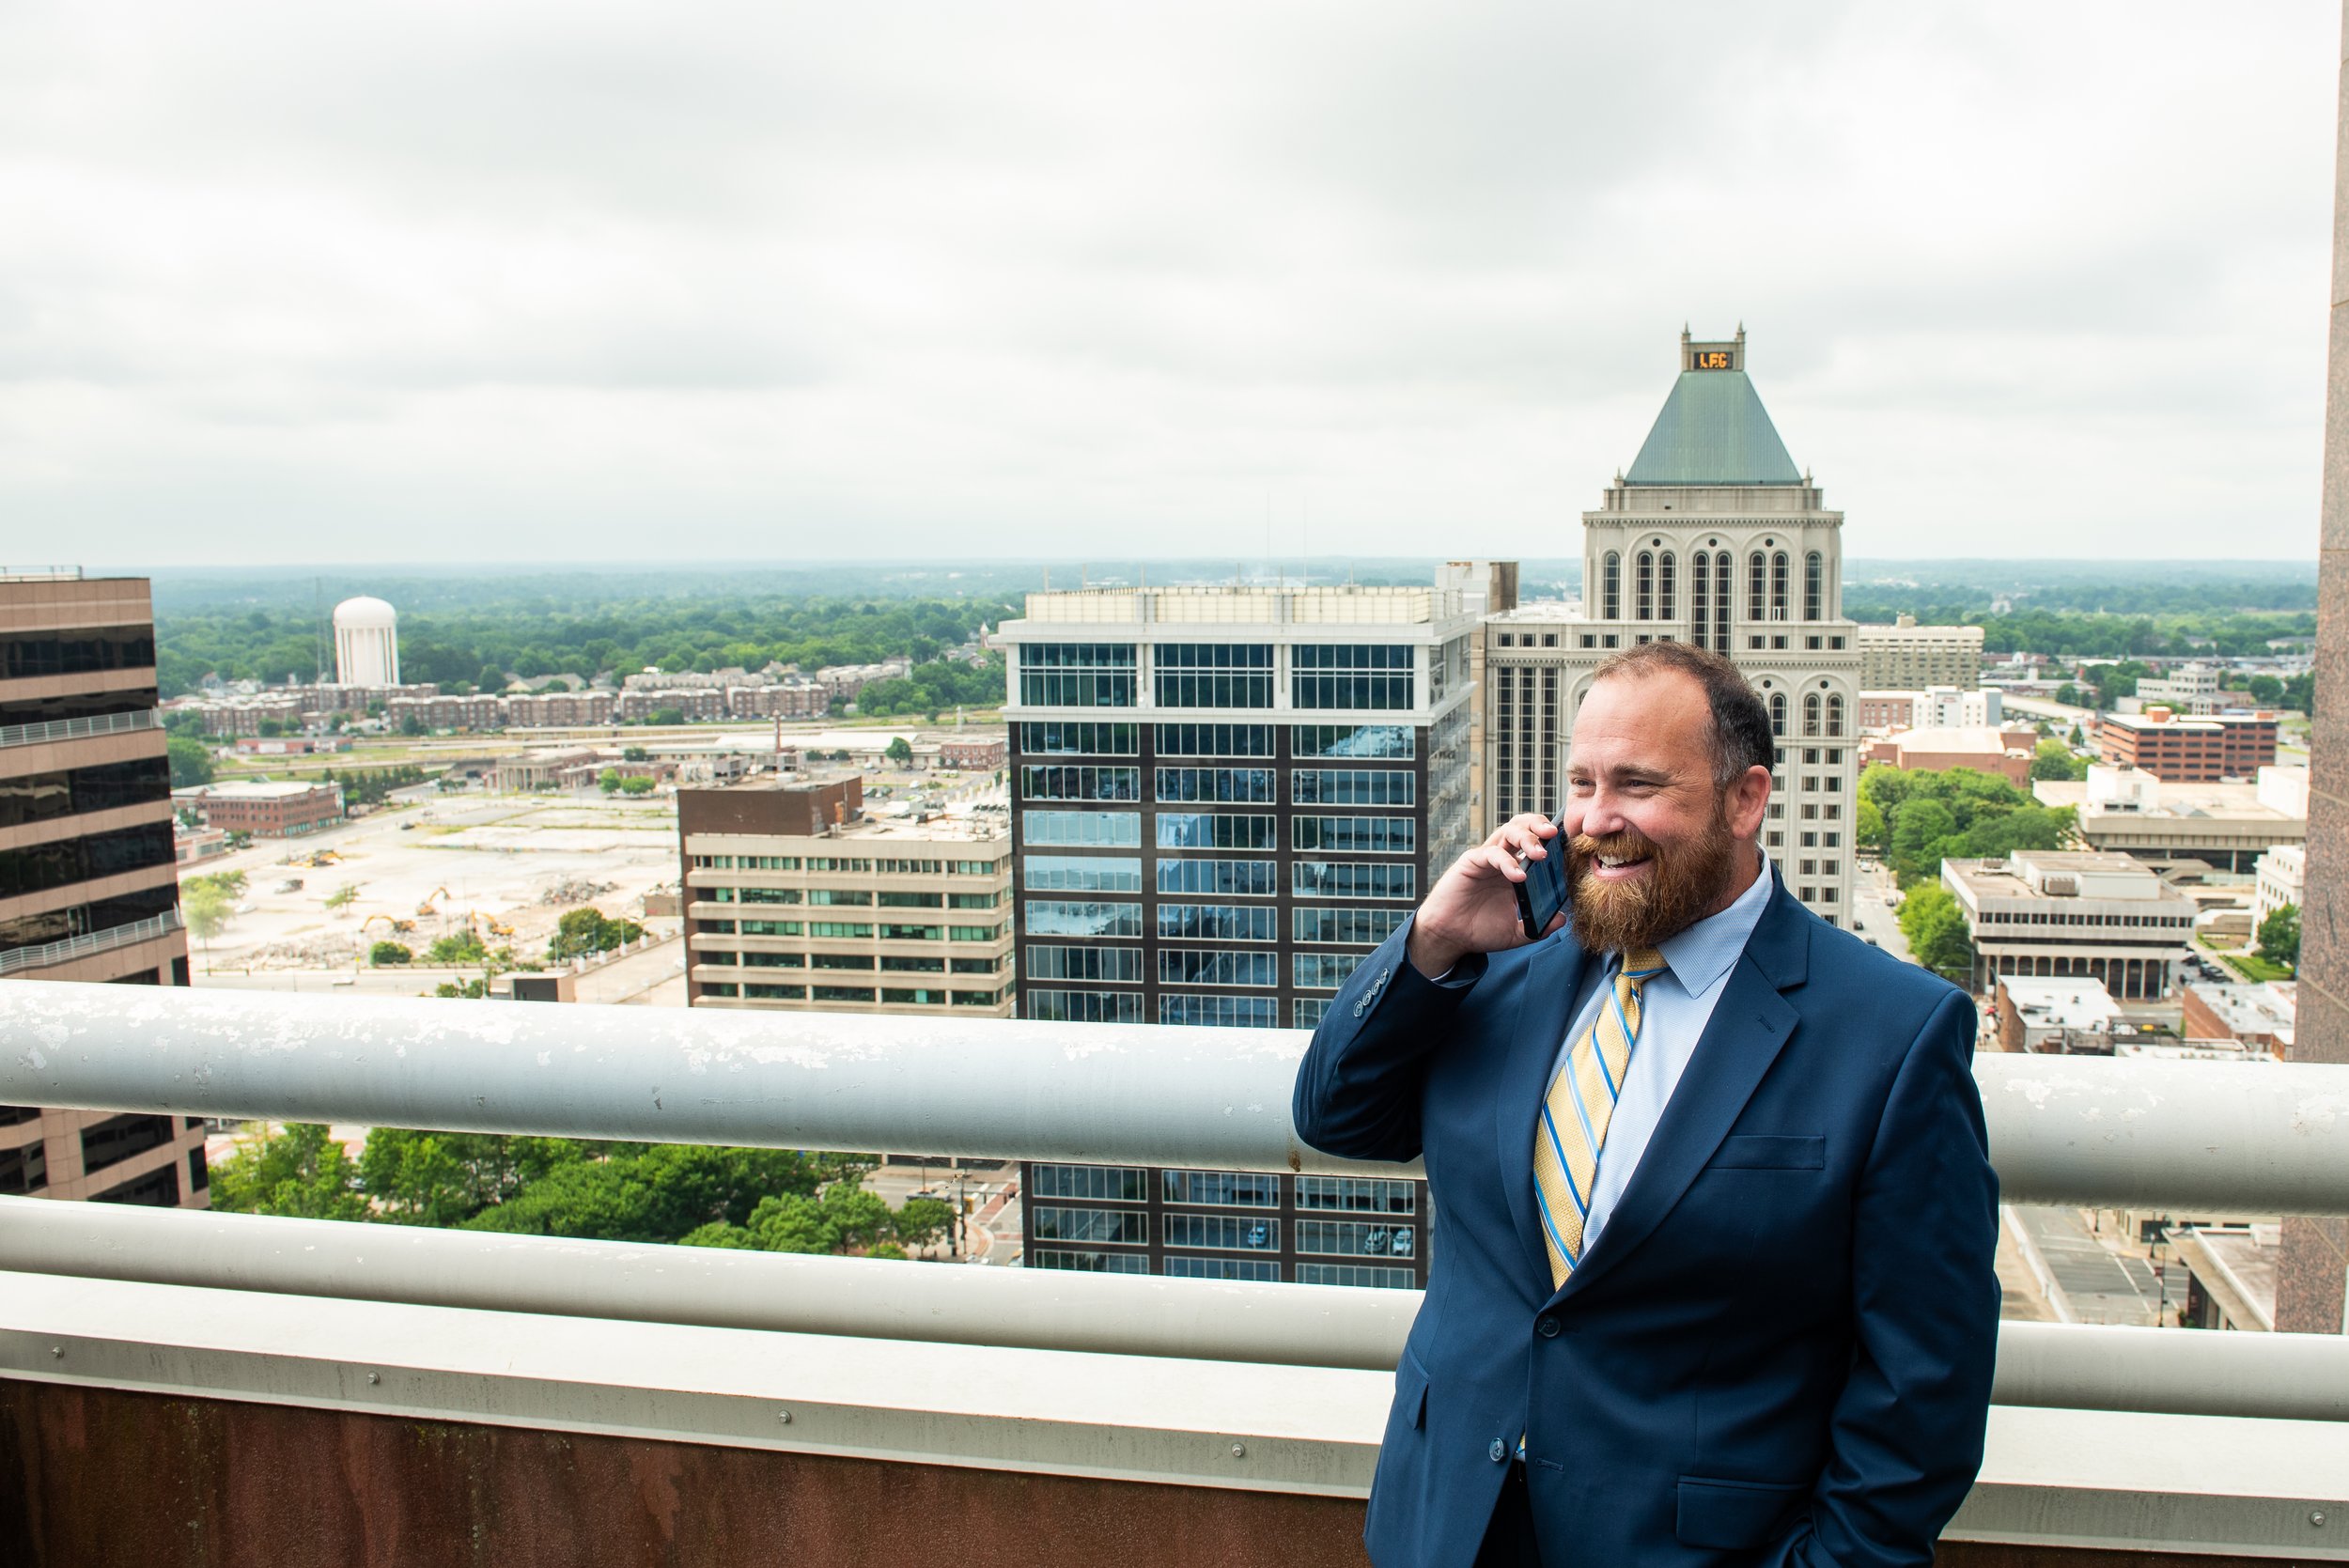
2272 1376
76 729
2159 1135
47 954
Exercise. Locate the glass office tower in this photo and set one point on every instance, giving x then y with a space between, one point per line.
1222 799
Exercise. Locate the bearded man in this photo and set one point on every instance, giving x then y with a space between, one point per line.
1713 1277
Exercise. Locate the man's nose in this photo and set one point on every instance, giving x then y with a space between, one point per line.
1601 815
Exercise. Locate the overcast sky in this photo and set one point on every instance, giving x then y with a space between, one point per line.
528 281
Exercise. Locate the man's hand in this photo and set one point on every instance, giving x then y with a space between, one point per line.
1474 908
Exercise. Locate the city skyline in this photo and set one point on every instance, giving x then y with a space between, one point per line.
1263 283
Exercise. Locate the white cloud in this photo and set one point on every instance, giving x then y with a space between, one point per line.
288 282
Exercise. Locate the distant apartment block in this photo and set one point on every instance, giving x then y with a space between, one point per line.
2062 913
2280 878
2189 688
691 705
1906 656
286 809
974 754
557 709
88 880
2188 751
483 711
796 901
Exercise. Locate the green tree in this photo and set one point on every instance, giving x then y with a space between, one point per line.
445 1179
844 1219
1868 826
661 1192
297 1171
2279 934
458 951
1934 926
634 753
383 954
343 898
582 932
608 781
191 762
900 750
2055 760
666 716
637 783
206 910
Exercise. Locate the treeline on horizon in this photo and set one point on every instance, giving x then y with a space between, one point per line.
476 632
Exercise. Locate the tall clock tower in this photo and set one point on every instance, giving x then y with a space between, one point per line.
1711 536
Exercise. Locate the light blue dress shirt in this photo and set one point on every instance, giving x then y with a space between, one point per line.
1674 1008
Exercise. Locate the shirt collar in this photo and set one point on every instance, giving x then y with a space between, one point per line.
1703 953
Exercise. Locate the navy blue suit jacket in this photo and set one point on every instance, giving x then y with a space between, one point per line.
1778 1351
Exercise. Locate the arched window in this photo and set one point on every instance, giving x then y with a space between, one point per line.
1611 588
1645 595
1666 589
1724 572
1757 583
1811 716
1778 586
1777 714
1835 717
1700 597
1814 587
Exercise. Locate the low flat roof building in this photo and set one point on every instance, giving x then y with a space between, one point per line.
2071 1016
2005 752
2188 751
2050 913
794 900
286 809
2259 1015
2231 1276
2130 811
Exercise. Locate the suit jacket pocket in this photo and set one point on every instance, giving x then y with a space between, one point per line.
1770 1152
1410 1390
1733 1515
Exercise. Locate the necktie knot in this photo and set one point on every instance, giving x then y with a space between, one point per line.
1640 965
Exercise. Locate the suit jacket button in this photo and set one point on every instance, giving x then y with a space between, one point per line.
1499 1451
1546 1326
1358 1008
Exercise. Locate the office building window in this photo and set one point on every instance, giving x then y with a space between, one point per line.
1324 972
1227 922
1351 674
1087 1262
1355 835
1077 674
762 991
1115 965
1199 1009
1214 740
1356 1194
1643 587
1228 1233
1212 674
1814 586
1056 1006
1080 873
1357 743
1059 918
1355 1238
834 993
1243 785
1110 1184
1757 588
1361 1275
1241 878
1068 1223
1225 1190
1306 1012
1666 588
1076 780
1352 786
1346 927
1610 587
1778 586
1212 965
1205 830
1078 737
1261 1270
1075 830
1353 879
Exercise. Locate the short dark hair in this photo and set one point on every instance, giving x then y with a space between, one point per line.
1741 725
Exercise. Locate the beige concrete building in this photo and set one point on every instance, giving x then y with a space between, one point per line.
88 877
1906 656
795 900
2067 913
1712 536
2129 811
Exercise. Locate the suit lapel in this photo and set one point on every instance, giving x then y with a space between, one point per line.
1749 1025
1553 974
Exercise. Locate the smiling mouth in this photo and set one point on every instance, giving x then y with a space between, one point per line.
1618 865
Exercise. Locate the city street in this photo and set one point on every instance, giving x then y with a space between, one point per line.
1872 915
2102 1282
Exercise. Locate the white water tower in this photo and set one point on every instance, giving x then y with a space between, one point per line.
367 643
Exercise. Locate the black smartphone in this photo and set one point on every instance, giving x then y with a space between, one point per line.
1542 892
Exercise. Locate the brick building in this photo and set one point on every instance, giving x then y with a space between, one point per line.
2188 751
979 753
282 810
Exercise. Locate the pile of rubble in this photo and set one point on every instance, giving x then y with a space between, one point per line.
571 891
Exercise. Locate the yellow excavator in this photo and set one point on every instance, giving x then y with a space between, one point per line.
428 907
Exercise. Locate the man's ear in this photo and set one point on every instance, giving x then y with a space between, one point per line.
1749 801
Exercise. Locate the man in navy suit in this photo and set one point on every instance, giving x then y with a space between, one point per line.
1713 1277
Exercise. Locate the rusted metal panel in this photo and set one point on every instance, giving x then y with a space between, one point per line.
94 1478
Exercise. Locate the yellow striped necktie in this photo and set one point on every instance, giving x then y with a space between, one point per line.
1575 1113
